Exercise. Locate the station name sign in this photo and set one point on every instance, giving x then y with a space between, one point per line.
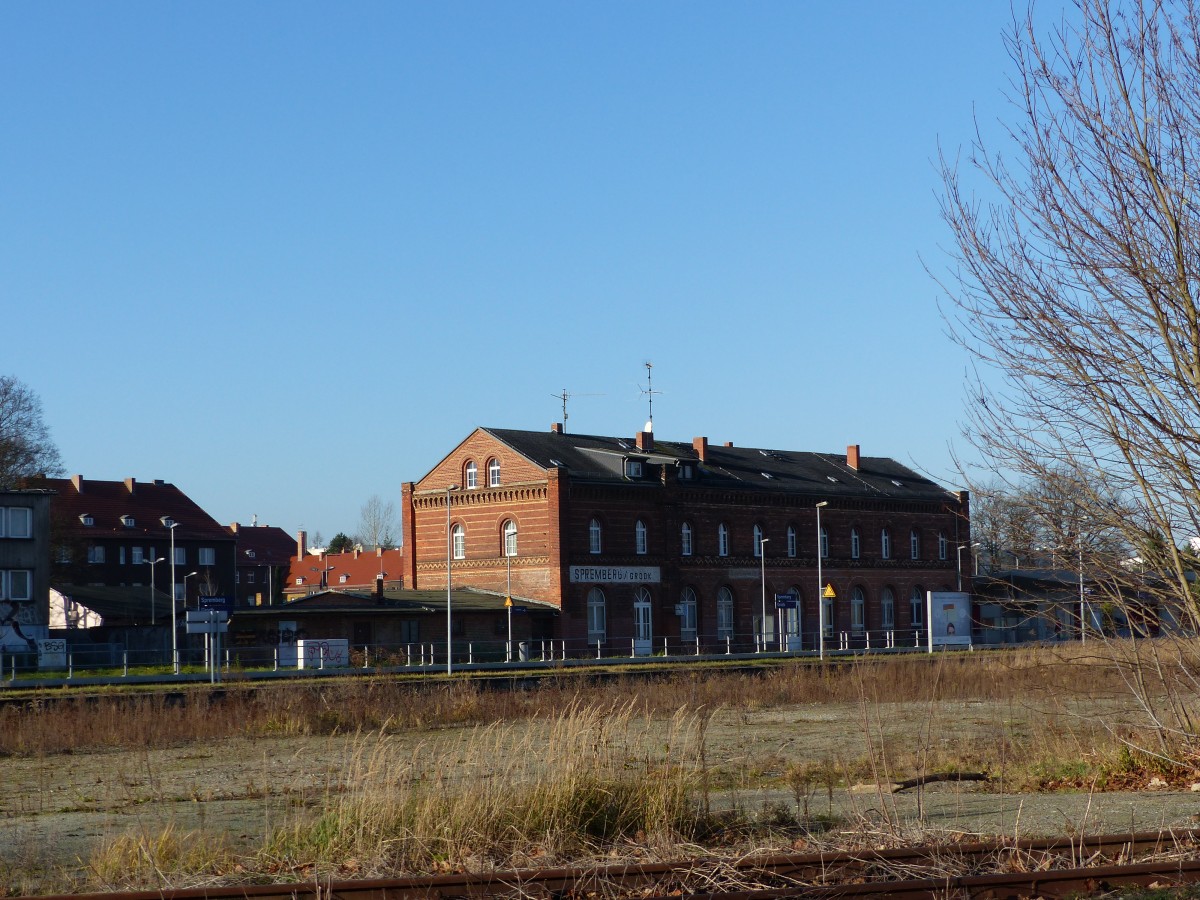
615 574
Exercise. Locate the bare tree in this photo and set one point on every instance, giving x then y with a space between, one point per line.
26 449
377 523
1075 281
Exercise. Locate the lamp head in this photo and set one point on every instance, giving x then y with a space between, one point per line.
822 503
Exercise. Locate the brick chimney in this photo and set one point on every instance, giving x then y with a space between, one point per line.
728 443
556 428
301 544
700 445
852 456
131 485
379 588
77 480
645 440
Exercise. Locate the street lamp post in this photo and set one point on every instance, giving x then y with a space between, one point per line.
762 557
449 557
171 525
152 563
820 588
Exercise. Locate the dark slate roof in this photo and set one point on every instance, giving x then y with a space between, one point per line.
123 604
595 458
395 600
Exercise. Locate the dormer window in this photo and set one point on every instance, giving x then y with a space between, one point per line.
633 468
87 520
167 521
250 554
343 578
299 579
687 472
128 521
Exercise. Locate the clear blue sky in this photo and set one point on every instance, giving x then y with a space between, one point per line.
286 255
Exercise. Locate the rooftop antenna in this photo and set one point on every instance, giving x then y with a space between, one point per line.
649 392
565 396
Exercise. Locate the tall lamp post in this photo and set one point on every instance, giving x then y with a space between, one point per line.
820 588
449 557
762 558
171 525
961 548
152 563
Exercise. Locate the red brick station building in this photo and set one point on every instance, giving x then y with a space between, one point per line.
640 542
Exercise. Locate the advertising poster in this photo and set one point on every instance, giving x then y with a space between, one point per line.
949 617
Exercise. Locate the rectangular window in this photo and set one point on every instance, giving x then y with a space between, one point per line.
208 556
137 557
410 631
791 542
121 555
181 556
20 523
95 554
249 578
16 585
179 591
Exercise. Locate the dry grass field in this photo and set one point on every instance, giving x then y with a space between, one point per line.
377 777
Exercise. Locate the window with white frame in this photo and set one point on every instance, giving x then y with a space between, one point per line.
249 577
181 556
633 468
791 541
685 539
471 478
722 540
887 609
595 536
858 610
136 556
914 543
916 607
16 584
128 521
943 546
724 613
510 538
885 544
95 554
639 537
493 472
824 543
855 543
458 541
208 556
758 536
687 615
596 616
16 522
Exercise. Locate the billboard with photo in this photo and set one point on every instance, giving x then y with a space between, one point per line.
949 617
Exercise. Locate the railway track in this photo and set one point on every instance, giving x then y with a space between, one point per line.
996 869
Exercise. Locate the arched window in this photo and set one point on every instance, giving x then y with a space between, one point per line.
824 543
885 544
758 536
858 610
596 615
914 543
887 609
510 538
639 535
687 615
943 546
493 472
722 540
594 536
471 478
791 541
724 613
855 543
916 606
458 540
685 539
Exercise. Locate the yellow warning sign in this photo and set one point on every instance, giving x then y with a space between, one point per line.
828 593
508 601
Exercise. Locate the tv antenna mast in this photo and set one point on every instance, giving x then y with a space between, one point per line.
649 392
564 397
